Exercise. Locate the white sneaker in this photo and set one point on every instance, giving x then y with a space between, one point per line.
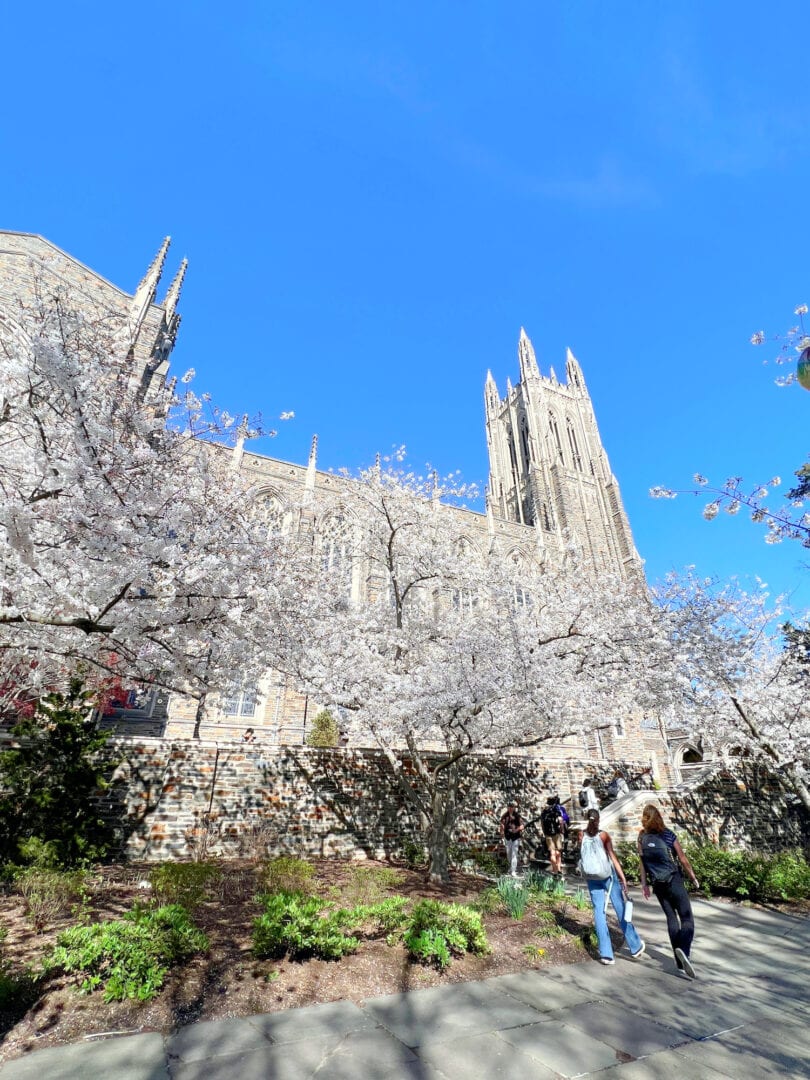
606 960
639 953
684 963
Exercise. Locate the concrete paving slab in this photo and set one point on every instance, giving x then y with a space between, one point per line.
372 1054
705 1013
667 1065
624 1029
443 1013
563 1049
134 1057
334 1019
734 1055
214 1038
484 1057
543 994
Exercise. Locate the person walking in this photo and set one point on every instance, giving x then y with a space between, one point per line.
606 881
587 796
659 849
511 830
552 823
618 786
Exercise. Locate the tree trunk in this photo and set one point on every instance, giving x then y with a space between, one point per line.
199 716
799 785
438 858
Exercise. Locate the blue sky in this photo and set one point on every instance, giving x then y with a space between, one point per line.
375 197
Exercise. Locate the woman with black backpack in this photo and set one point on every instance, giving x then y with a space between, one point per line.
659 849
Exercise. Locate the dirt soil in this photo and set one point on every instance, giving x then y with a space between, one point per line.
228 981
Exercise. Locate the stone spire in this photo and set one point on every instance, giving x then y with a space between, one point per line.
312 464
491 397
173 293
573 373
528 361
145 293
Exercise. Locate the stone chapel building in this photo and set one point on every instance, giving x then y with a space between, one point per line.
550 485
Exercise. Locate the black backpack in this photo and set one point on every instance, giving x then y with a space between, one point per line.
583 799
551 821
657 859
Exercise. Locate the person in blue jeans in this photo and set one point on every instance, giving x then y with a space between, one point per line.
606 881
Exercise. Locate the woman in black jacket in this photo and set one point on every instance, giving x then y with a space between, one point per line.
663 864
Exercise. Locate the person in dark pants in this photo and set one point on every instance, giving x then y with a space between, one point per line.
663 864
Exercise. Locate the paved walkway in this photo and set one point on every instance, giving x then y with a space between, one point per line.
746 1016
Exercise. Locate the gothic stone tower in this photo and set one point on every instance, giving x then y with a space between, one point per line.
548 468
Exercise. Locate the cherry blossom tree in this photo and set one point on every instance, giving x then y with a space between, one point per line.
742 678
126 547
790 521
443 651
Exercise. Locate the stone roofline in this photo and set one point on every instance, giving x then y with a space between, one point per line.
252 461
68 256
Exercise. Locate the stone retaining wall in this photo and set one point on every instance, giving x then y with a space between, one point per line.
180 800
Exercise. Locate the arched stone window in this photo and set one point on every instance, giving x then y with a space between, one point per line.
572 442
272 511
334 543
555 431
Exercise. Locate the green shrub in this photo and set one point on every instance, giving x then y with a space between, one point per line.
301 926
514 895
488 862
51 894
412 853
286 873
187 884
748 875
129 957
627 854
369 884
384 917
432 922
48 782
789 876
324 732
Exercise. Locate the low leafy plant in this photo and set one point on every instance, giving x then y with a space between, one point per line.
581 900
287 873
384 917
17 990
128 957
488 862
429 946
437 930
187 884
301 925
487 901
514 895
549 926
534 952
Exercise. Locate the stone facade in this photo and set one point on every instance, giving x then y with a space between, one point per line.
550 486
